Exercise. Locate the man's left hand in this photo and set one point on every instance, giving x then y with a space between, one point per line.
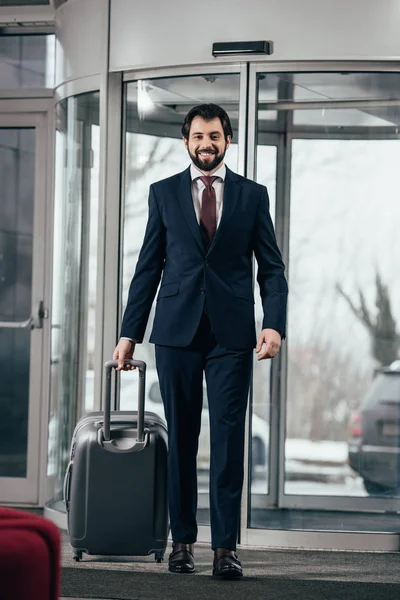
271 340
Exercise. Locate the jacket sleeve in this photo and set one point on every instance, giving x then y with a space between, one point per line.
271 270
147 275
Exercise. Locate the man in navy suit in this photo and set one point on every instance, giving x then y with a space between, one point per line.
204 226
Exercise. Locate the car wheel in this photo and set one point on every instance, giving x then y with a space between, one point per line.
375 489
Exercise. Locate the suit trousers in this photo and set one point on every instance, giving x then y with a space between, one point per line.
227 372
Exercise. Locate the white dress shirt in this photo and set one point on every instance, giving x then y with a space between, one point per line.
197 195
198 188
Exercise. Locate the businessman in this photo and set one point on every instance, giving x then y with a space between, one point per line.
204 226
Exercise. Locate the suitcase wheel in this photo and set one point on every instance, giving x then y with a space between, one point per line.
77 556
159 557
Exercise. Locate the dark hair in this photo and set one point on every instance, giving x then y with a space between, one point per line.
207 112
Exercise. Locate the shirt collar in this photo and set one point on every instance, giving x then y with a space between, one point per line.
195 173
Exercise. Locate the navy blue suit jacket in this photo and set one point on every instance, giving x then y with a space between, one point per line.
220 275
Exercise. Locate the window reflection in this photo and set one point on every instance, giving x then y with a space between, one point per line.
27 61
74 272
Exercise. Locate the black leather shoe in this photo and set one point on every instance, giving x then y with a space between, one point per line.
226 564
181 558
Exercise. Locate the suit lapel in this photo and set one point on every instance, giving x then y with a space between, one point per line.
232 189
186 203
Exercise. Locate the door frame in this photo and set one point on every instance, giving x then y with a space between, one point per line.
247 158
36 112
114 225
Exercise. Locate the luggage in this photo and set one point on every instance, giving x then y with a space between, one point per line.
29 557
115 487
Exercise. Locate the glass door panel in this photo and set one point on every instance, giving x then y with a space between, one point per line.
21 310
155 110
261 408
335 442
343 401
17 171
76 209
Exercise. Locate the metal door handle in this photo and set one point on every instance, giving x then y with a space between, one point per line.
35 321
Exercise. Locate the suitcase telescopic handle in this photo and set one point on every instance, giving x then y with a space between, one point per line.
140 442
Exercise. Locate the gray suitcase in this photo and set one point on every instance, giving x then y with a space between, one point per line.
115 487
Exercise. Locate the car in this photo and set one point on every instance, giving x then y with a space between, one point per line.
154 403
374 445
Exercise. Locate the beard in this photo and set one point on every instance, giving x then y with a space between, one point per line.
208 164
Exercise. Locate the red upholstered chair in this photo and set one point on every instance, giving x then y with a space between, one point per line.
30 550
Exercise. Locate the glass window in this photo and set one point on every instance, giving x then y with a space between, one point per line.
27 61
337 173
92 219
17 174
261 401
155 110
344 296
74 271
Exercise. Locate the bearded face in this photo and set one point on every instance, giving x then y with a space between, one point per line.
207 144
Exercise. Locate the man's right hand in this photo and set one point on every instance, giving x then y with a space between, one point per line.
124 350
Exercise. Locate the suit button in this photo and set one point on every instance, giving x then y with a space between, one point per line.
207 263
202 291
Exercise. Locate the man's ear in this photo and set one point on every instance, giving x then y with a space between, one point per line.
186 142
228 140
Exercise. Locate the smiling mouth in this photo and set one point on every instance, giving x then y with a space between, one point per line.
206 153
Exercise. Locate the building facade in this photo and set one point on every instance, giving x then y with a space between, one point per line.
92 97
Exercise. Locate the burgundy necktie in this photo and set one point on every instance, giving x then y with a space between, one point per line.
208 212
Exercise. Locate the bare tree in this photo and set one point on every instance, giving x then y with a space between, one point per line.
385 339
136 171
136 211
325 387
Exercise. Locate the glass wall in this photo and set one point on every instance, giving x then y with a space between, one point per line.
325 420
155 110
74 272
344 313
337 207
27 61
